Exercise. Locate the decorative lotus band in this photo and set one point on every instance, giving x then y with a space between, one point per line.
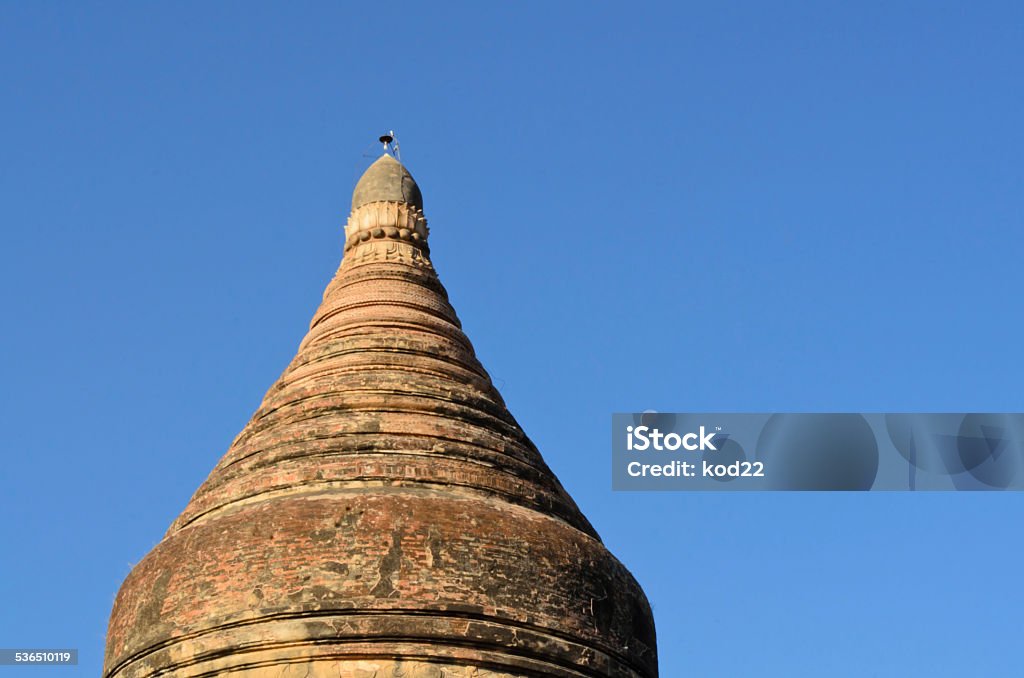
387 219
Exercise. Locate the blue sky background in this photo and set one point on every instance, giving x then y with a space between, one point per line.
713 207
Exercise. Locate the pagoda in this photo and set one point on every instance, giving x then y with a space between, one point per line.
382 515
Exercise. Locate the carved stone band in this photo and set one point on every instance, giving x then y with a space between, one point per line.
394 220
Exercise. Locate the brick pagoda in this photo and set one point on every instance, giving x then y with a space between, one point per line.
382 515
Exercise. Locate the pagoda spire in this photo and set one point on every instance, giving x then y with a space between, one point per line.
382 513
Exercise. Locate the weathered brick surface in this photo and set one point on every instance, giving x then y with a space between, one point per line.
382 514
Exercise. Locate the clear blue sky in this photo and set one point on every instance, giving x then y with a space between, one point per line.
715 207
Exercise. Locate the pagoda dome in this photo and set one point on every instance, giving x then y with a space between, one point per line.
382 514
387 180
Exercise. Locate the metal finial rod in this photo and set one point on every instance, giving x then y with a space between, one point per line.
391 144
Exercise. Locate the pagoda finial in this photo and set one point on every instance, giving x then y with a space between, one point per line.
390 142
